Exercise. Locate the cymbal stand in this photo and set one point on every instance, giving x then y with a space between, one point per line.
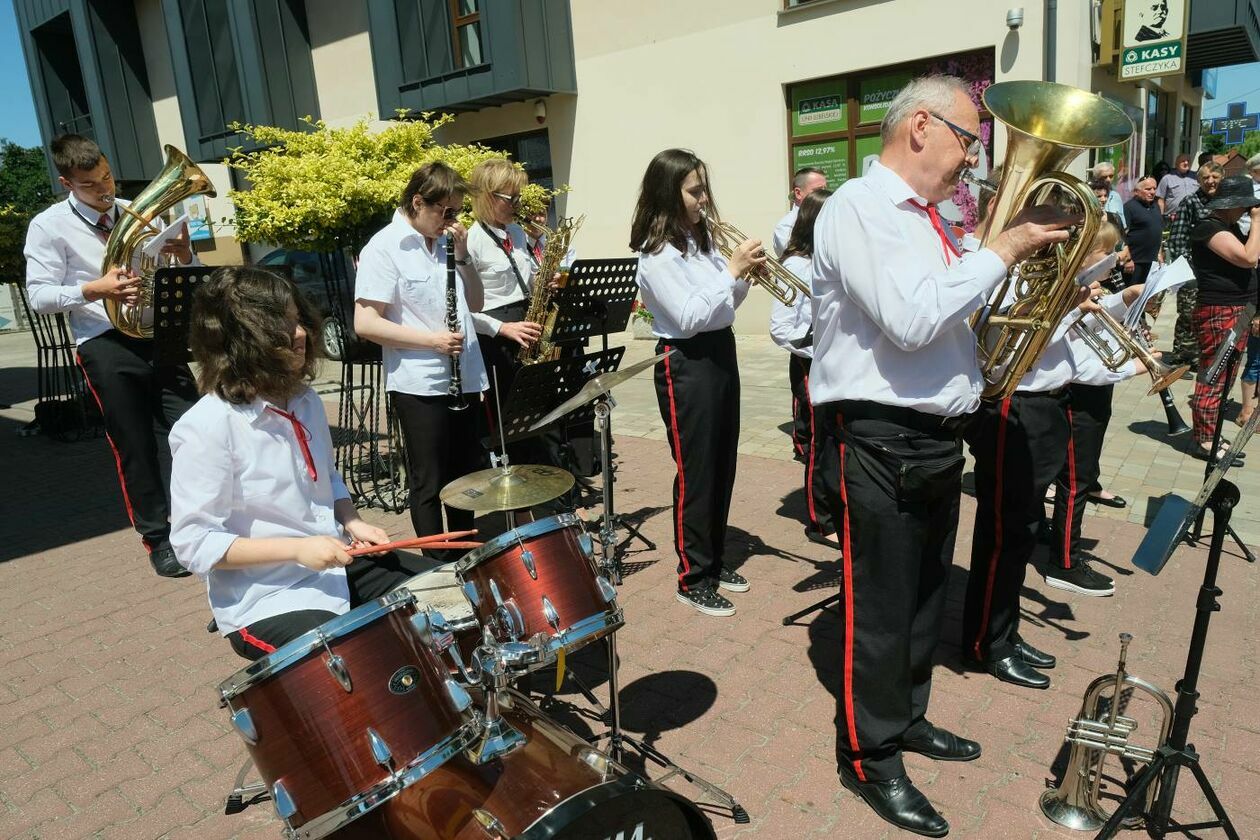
611 563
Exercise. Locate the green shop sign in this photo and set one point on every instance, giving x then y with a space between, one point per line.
831 156
877 94
1163 59
819 108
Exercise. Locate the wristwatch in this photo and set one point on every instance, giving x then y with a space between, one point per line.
465 261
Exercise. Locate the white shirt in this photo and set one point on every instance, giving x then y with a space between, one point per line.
883 293
792 323
397 269
62 253
495 269
690 293
1056 367
1088 365
783 229
239 471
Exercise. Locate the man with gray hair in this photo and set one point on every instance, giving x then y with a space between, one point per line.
893 378
805 181
1105 171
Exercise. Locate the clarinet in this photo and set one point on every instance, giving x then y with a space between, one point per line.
456 388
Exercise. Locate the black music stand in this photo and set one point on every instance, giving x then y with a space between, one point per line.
173 289
596 300
1175 518
540 387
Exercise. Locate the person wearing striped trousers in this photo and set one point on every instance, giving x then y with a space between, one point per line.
692 291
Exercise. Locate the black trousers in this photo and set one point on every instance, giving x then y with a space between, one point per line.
802 411
1088 413
697 389
441 445
822 470
897 537
367 577
1020 445
139 402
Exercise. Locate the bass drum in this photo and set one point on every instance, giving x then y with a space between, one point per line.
553 787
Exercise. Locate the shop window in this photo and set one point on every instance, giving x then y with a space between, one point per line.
215 78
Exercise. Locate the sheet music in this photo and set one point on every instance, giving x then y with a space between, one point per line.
154 246
1164 279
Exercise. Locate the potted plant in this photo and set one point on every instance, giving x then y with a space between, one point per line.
640 321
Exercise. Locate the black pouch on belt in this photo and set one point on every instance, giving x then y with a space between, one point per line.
916 479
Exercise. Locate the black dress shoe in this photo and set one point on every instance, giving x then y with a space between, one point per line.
1013 669
814 537
1034 657
942 745
164 563
899 802
1114 501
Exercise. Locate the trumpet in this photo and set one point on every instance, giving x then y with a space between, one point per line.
1094 734
782 284
1116 345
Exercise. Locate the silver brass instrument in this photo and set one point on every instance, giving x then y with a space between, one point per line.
1117 345
770 275
455 390
542 309
1047 125
180 178
1093 736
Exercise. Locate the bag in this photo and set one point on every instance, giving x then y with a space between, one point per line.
914 481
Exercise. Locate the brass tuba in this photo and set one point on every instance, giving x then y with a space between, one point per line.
1047 126
542 309
782 284
1094 735
180 178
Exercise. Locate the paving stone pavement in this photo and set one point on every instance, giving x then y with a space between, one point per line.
109 725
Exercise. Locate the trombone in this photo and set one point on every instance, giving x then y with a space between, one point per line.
770 275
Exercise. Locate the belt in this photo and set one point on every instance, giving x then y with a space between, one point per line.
921 421
1054 392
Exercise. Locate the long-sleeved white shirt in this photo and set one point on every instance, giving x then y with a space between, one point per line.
62 253
239 471
397 269
890 314
495 268
790 324
783 229
690 293
1088 366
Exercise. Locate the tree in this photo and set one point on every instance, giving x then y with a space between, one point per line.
24 191
1214 144
1250 145
327 188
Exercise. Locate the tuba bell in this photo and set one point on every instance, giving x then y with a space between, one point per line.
180 178
1047 125
1095 734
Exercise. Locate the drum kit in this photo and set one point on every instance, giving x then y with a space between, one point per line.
400 719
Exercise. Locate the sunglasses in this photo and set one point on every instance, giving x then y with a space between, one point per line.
973 142
514 200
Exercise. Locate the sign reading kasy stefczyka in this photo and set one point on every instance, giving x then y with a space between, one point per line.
1154 42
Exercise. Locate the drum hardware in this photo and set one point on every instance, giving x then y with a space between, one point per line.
599 389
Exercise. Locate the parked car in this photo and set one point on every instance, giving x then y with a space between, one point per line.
311 277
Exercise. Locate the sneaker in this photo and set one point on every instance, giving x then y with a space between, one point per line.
732 581
1082 580
707 601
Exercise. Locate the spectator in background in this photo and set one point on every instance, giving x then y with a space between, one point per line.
805 181
1176 186
1146 228
1105 171
1185 345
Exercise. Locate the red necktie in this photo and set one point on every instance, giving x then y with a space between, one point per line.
507 244
302 435
947 244
538 253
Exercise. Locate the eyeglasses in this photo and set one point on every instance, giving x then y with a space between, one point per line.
514 200
973 142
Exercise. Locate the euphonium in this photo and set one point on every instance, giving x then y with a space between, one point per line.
541 309
1094 735
1047 126
770 275
180 178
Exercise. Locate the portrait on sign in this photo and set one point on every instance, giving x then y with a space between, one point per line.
1147 21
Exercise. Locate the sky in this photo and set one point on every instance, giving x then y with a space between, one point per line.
1239 83
17 111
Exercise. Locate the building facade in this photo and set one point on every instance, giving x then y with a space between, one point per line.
583 92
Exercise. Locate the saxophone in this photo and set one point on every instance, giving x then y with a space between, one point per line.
542 308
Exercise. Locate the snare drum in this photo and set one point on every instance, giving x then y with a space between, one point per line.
539 580
439 589
555 786
344 717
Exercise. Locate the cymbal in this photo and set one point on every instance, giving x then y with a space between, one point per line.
513 487
595 387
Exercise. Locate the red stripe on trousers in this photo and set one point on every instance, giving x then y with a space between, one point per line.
847 585
122 482
997 527
251 639
682 481
1071 499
